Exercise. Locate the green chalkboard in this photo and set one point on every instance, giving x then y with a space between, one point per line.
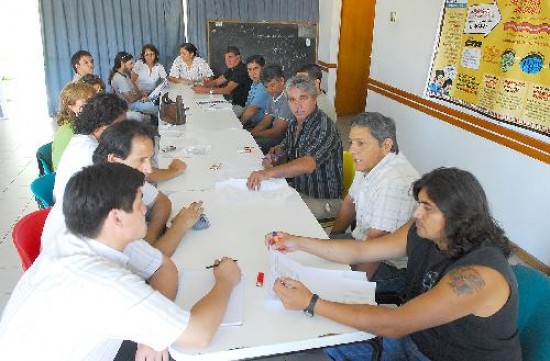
288 44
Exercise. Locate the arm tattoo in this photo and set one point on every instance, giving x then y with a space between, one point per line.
465 280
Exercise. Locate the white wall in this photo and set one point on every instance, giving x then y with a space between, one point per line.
518 187
329 36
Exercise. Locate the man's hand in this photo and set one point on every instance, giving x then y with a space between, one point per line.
227 270
187 217
255 179
281 241
177 165
200 89
146 353
293 294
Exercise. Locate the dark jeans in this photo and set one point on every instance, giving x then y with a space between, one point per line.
393 349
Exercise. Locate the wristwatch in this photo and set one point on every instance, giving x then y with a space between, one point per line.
211 91
309 309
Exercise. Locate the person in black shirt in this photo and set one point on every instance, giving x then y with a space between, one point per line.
234 82
461 294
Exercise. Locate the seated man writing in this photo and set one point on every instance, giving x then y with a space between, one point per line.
462 296
84 290
234 82
310 154
131 143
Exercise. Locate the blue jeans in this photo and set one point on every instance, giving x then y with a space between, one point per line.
145 107
394 349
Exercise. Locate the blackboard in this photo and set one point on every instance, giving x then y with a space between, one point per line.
288 44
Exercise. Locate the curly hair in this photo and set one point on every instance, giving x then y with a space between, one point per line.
101 109
70 94
468 220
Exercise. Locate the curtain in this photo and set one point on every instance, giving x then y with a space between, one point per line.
200 11
105 27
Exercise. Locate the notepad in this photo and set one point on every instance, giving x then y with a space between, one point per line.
194 284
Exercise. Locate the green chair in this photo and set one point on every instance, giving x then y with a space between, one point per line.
534 313
42 188
348 172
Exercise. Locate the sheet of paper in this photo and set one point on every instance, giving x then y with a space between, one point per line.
214 105
194 284
235 191
334 285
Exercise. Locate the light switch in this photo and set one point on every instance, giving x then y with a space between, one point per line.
393 16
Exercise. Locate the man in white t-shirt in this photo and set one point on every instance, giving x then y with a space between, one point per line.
132 143
379 199
79 301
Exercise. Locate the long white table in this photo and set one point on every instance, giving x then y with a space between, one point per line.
239 220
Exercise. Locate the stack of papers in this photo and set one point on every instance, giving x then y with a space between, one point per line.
342 286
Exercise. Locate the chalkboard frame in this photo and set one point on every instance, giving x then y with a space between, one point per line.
215 56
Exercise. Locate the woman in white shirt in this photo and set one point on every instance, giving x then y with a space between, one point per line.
148 72
189 67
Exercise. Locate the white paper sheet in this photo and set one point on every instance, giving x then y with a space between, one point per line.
194 284
333 285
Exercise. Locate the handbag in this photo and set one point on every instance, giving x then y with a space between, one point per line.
172 112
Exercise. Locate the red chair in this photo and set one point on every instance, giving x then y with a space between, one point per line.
26 236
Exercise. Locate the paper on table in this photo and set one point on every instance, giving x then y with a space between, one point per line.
194 284
333 285
236 191
214 105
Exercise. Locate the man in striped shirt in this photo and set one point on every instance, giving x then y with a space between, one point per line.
310 155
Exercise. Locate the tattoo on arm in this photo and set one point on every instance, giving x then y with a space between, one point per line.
465 280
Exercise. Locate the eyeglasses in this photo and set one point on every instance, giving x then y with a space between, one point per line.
149 54
126 57
301 99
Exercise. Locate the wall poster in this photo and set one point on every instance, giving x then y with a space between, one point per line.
493 56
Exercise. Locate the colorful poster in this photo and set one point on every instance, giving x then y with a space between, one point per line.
493 56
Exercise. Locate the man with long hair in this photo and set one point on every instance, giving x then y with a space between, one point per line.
462 297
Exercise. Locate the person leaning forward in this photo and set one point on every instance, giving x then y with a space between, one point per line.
310 154
85 290
461 297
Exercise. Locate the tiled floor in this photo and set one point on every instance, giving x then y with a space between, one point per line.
20 135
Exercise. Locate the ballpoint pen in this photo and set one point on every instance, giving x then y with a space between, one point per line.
217 264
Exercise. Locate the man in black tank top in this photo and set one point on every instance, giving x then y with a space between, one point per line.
462 296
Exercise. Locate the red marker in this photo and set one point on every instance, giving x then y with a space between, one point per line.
260 279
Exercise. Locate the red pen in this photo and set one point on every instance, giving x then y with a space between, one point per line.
260 279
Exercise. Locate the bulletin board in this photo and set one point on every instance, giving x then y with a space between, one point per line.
494 57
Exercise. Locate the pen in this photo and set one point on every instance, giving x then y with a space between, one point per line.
216 264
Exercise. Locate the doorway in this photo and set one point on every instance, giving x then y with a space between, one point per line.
356 33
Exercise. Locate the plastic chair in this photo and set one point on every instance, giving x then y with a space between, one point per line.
534 312
348 172
26 236
44 159
42 188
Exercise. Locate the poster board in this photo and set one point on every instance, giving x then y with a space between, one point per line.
493 56
288 44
